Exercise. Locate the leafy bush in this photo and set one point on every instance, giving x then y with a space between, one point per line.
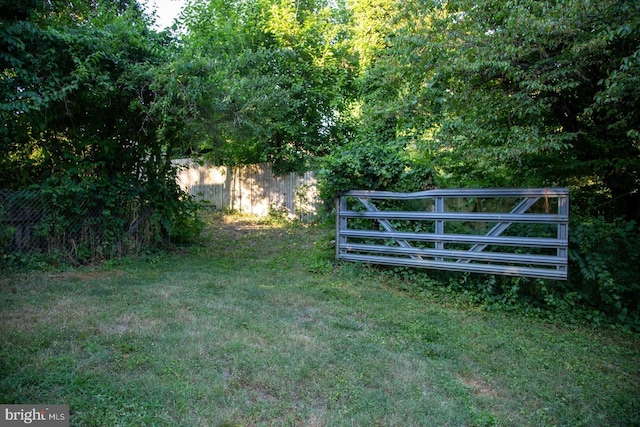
62 221
104 176
371 166
605 265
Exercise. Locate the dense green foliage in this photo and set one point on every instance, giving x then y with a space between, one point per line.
90 118
511 94
280 77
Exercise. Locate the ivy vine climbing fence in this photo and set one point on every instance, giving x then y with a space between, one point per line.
514 232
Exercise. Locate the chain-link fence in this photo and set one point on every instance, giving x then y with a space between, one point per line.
69 228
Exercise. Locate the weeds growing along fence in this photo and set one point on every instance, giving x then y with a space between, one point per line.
80 228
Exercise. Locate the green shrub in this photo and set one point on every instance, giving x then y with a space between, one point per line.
371 166
70 222
605 265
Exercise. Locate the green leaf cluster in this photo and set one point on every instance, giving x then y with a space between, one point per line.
517 93
605 265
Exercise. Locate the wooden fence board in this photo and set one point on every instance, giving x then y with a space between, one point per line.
252 189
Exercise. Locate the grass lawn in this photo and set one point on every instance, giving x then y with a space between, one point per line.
258 326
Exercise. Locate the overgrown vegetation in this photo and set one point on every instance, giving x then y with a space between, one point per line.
90 126
510 94
258 326
377 94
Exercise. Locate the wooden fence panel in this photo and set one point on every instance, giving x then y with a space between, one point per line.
252 189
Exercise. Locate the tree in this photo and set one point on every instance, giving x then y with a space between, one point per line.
536 93
281 73
82 111
381 154
510 93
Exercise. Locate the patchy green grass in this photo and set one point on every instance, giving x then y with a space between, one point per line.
258 326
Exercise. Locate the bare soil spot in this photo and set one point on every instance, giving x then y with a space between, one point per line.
479 386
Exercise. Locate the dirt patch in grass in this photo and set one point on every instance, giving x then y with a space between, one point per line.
479 386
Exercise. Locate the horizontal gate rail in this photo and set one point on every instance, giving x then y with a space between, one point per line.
371 228
482 217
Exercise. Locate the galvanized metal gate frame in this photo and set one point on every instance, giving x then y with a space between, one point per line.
398 249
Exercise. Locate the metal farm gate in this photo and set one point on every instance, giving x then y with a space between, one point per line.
515 232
